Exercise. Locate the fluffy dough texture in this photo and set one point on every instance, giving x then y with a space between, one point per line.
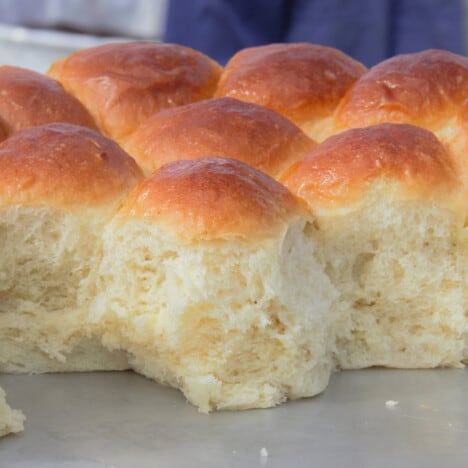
11 421
60 184
385 200
236 315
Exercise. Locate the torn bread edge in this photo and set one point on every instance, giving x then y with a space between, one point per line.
11 420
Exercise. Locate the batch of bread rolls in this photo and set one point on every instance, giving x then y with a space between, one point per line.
236 232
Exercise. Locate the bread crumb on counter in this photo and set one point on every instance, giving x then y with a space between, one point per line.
391 404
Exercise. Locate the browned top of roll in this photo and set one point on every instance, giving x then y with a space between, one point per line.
339 171
213 198
123 84
65 166
28 98
455 138
302 81
422 89
462 117
224 127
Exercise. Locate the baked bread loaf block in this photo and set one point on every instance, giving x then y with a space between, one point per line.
123 84
424 89
28 98
223 127
209 275
210 281
11 420
59 185
385 199
305 82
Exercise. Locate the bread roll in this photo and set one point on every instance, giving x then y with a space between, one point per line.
28 99
11 420
223 127
305 82
210 282
424 89
59 184
209 275
385 201
455 137
123 84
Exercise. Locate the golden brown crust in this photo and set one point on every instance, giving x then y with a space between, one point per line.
223 127
304 82
65 166
123 84
28 98
462 117
422 89
339 171
455 137
213 198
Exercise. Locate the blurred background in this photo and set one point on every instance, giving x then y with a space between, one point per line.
33 33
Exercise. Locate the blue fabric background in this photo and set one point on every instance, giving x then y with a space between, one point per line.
368 30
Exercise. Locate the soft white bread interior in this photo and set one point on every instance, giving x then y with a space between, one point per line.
59 184
224 127
385 199
210 281
11 421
